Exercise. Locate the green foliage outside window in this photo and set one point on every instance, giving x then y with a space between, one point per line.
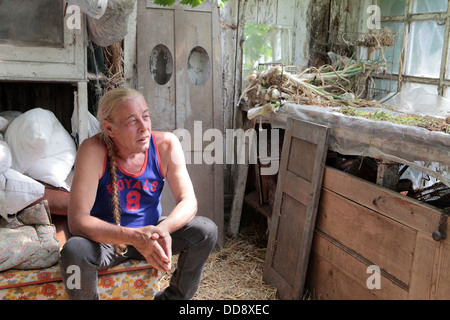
192 3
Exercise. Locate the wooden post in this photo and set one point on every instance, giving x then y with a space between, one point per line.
387 175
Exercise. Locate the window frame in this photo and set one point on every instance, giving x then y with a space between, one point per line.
407 19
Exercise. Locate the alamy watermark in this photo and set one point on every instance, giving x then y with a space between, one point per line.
236 146
374 280
73 21
73 13
374 21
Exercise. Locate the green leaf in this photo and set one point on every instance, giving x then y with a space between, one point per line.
221 3
164 2
192 3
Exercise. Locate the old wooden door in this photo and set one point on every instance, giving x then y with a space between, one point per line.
178 71
296 200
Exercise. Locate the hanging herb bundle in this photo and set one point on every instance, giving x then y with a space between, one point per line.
325 86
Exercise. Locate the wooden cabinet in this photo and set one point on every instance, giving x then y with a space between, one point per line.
43 47
38 45
363 241
179 73
359 225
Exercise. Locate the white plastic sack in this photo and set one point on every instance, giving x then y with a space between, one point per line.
5 157
3 123
19 191
9 116
113 25
27 137
93 125
41 148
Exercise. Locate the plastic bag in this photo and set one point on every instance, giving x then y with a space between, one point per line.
93 8
417 100
41 148
18 192
93 126
113 25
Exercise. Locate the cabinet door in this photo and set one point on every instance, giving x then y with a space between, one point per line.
178 71
37 44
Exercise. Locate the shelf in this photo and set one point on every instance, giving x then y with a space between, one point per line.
252 200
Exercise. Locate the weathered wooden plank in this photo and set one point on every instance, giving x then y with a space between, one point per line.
250 11
336 273
286 13
289 236
422 268
301 158
161 98
376 226
417 215
297 187
442 281
238 199
267 11
301 34
382 241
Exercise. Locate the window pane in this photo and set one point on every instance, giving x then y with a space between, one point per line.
382 88
392 8
429 88
425 6
265 44
424 50
422 98
392 54
32 23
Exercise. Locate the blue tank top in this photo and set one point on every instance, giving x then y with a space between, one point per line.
139 194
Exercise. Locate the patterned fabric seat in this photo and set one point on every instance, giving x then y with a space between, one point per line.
130 280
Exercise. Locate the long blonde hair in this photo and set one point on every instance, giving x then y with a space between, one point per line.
106 111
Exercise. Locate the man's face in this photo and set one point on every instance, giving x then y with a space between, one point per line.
131 127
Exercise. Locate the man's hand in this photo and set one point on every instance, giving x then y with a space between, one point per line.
156 246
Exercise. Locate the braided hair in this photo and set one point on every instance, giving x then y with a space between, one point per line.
106 110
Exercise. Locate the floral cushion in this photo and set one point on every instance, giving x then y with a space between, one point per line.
29 240
130 280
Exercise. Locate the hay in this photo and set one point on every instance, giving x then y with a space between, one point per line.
236 271
114 66
378 38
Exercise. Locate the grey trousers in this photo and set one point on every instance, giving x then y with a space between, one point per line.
194 243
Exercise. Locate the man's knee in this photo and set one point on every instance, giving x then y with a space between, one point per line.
208 228
78 249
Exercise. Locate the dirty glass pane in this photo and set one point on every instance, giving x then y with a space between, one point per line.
429 88
32 23
424 49
265 44
392 54
426 6
382 88
392 8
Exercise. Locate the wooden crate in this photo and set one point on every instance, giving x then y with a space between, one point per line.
360 224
